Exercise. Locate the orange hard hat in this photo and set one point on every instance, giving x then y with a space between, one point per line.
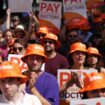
73 24
78 46
10 69
103 16
98 20
93 81
52 36
42 30
34 49
93 50
84 25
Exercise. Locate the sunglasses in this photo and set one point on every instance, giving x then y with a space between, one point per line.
17 48
50 42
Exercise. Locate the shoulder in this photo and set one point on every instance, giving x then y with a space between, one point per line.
49 76
34 100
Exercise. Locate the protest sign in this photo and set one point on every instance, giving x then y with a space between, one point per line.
71 93
20 5
92 4
50 15
74 9
93 101
17 59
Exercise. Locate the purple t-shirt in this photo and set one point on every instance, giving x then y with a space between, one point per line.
48 87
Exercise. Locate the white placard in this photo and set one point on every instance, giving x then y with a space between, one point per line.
20 5
94 101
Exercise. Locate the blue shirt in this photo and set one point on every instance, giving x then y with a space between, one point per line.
48 87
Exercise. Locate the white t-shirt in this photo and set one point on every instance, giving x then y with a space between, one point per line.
27 100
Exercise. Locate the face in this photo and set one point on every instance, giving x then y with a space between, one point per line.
18 49
92 59
19 34
49 45
72 36
9 86
96 93
79 57
35 62
15 22
8 37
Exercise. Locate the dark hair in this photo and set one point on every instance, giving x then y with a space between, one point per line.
18 40
9 30
84 95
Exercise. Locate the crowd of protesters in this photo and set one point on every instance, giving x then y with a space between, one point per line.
79 45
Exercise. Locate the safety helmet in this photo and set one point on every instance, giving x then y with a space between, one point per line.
78 46
93 50
93 81
34 49
10 69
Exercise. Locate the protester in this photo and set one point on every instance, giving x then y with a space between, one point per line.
56 61
9 38
10 80
78 53
19 47
71 36
40 83
93 59
94 85
41 32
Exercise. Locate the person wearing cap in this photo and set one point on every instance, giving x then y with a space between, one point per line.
78 54
41 83
15 22
94 85
41 32
56 61
93 58
20 32
10 80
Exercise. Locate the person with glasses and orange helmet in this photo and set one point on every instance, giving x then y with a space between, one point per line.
10 80
40 83
56 61
93 59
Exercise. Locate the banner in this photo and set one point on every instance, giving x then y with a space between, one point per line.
71 93
74 9
92 4
94 101
50 15
20 5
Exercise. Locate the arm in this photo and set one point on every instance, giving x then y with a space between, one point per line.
8 19
73 80
34 91
41 98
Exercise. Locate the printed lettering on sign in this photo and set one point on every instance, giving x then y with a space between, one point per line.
17 59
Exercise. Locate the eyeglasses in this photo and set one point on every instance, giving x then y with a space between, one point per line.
17 48
50 42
